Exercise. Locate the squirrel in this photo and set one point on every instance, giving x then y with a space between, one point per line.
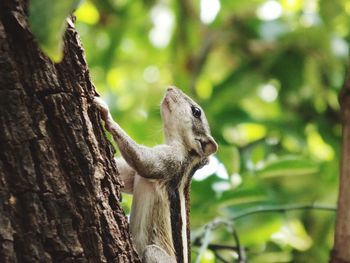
159 177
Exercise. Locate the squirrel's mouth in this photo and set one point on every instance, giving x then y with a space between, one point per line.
166 103
202 144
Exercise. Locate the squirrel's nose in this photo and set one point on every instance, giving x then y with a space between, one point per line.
171 89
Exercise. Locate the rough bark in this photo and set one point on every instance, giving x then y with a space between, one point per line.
59 193
341 250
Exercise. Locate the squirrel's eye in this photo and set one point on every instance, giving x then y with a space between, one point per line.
196 112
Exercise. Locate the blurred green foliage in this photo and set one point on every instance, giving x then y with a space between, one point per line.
267 74
47 20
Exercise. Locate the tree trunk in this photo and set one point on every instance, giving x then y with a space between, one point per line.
341 250
59 194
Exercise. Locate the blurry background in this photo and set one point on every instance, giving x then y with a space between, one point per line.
267 74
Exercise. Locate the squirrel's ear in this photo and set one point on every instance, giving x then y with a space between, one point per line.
209 146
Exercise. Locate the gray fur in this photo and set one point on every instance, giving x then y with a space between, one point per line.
159 177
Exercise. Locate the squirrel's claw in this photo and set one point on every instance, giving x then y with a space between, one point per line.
102 107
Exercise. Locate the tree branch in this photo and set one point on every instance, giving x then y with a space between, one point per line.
217 255
240 249
209 227
341 252
205 243
222 247
205 236
283 208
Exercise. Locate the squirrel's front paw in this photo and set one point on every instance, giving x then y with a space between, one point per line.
102 107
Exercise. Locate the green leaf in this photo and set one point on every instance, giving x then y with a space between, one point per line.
229 155
288 166
47 20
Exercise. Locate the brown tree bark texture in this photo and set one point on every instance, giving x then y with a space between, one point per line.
59 193
341 250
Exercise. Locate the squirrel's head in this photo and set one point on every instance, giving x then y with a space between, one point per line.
185 122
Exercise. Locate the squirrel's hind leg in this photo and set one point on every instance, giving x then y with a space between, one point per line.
127 174
155 254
